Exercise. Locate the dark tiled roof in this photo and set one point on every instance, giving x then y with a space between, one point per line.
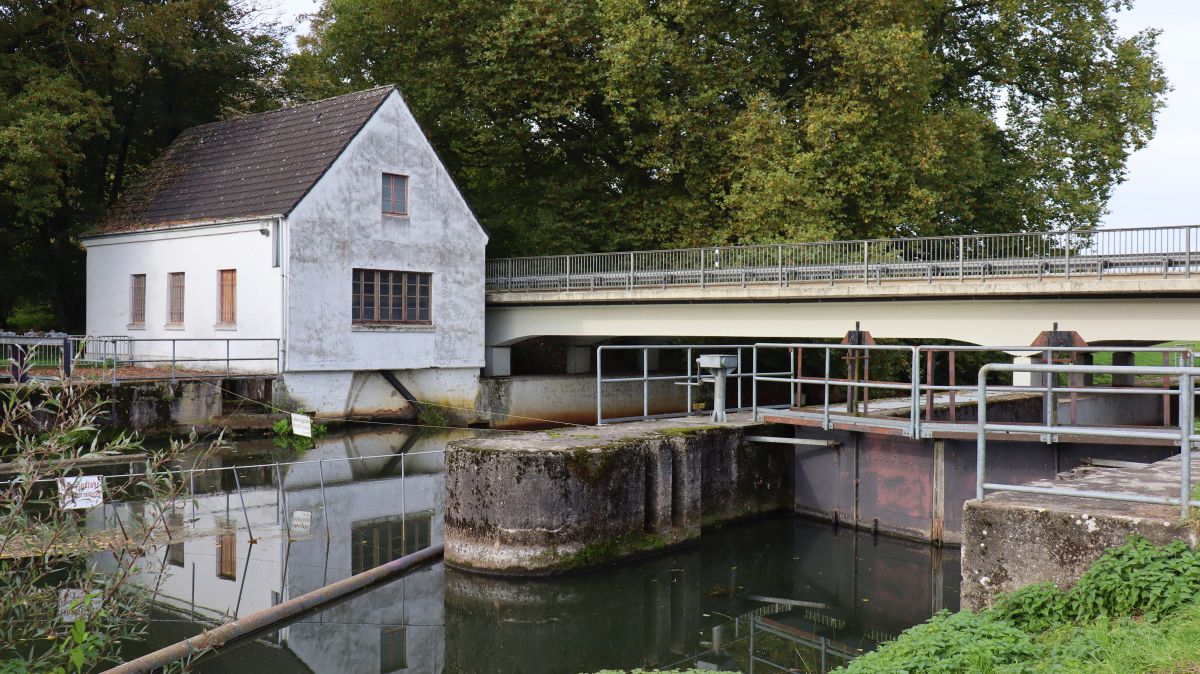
256 165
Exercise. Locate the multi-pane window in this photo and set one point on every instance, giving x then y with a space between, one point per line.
391 297
227 296
378 543
137 299
395 194
227 555
175 298
393 648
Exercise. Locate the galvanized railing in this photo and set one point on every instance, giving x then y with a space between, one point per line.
101 358
900 409
1062 255
1184 434
690 378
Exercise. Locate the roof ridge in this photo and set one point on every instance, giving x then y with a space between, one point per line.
287 108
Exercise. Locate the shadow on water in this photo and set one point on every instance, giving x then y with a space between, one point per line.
790 592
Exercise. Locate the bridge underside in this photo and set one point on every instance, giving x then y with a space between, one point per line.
986 321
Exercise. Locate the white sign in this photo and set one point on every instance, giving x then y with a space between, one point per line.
85 491
301 522
74 604
301 425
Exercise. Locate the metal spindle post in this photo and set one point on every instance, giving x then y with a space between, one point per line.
172 361
226 357
779 262
630 284
324 505
866 264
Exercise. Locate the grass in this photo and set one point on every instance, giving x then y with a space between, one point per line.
1140 359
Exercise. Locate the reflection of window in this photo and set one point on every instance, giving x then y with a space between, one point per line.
393 649
175 554
227 555
376 543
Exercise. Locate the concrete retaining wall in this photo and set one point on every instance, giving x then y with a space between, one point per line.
553 502
515 402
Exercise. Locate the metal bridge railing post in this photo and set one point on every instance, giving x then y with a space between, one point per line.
961 255
1187 423
981 433
866 263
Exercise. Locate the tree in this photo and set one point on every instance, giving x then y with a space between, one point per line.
90 92
628 123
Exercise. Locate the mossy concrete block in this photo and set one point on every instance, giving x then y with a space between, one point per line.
545 503
1011 540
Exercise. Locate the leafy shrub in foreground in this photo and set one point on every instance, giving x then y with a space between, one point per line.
1136 580
951 643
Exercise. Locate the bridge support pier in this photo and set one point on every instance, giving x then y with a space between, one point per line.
580 359
498 361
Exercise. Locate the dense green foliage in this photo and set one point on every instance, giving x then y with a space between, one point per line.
1133 593
89 94
631 124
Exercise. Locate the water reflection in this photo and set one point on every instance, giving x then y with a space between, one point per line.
775 593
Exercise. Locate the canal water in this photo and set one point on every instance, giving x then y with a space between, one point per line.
775 594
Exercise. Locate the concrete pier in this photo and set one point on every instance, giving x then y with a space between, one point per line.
558 501
1011 540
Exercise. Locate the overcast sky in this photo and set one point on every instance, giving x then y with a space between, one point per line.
1161 187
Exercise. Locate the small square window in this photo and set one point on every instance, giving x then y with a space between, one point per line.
395 195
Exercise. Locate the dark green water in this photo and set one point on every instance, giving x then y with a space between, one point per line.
711 605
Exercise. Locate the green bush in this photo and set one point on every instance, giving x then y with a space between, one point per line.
951 643
1040 628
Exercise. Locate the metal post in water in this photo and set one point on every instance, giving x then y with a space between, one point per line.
753 381
324 505
237 482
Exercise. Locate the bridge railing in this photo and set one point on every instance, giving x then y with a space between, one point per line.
1169 251
919 406
1184 433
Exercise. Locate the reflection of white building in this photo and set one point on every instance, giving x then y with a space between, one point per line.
377 504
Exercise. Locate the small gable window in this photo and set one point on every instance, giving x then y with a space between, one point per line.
395 195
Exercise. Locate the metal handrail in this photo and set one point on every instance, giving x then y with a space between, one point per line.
109 353
1186 434
1056 254
689 379
919 387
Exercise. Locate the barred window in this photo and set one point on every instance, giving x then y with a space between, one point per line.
137 299
175 303
391 297
395 194
379 542
227 555
227 279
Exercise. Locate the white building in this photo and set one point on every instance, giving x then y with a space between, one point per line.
330 232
